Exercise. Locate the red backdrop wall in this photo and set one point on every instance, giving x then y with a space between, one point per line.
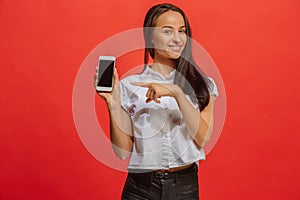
255 45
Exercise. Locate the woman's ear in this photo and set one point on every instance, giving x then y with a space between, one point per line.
152 43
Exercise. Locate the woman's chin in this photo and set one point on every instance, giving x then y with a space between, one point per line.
174 55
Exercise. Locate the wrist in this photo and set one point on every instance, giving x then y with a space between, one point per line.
178 95
113 105
177 91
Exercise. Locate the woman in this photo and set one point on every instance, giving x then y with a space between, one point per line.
162 117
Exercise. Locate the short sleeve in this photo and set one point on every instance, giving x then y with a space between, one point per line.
212 87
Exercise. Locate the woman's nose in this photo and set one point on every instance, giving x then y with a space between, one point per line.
176 37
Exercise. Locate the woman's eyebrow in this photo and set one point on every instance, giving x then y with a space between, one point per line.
168 26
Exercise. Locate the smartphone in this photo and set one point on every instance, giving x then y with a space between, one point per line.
106 68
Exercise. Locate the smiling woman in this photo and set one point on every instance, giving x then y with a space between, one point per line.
163 117
169 36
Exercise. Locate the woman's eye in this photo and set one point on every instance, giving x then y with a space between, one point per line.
183 31
166 31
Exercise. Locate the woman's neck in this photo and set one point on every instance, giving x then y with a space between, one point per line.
164 66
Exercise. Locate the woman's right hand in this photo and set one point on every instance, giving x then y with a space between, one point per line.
113 97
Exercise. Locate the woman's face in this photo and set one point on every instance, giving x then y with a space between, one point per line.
169 35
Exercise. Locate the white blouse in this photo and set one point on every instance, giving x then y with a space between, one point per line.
161 138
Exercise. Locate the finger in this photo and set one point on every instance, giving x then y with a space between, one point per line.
116 75
156 95
148 93
116 79
148 100
95 80
141 84
96 76
155 100
151 93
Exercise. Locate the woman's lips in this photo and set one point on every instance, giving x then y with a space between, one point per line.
175 47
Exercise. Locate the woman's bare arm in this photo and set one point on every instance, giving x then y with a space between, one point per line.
120 123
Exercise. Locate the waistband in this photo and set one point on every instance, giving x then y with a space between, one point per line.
162 174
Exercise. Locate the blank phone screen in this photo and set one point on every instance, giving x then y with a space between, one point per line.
105 73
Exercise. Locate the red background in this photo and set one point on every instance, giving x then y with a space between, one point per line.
255 45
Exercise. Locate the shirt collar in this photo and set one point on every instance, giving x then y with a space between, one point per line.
149 71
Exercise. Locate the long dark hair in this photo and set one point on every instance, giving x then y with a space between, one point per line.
189 78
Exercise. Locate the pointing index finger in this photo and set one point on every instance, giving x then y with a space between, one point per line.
142 84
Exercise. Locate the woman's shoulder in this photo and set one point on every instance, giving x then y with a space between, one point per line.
139 77
125 82
212 87
130 78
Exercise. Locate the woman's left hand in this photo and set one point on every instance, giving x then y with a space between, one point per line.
157 90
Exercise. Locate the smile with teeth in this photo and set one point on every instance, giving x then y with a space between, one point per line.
175 47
